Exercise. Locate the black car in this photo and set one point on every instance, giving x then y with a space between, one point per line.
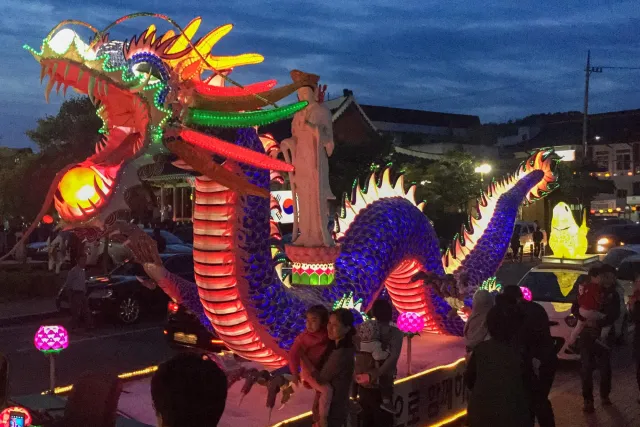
605 238
122 297
184 330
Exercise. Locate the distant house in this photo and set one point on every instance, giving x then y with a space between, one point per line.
425 134
613 145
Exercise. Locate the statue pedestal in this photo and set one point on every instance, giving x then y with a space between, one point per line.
312 266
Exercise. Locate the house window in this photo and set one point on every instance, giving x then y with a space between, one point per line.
621 194
623 159
636 188
602 159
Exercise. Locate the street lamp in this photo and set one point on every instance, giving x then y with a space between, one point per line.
483 169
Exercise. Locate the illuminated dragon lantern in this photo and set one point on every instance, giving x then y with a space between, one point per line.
164 93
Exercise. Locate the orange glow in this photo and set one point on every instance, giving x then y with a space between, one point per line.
217 342
77 187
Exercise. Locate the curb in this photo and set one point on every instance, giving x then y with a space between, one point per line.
11 321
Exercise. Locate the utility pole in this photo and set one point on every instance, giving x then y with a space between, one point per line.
585 113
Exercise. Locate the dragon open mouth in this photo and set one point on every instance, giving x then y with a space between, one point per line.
87 188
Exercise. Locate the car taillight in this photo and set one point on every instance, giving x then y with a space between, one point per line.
571 321
173 307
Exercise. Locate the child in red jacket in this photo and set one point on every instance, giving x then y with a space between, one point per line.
311 345
590 302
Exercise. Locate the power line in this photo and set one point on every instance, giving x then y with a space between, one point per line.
468 94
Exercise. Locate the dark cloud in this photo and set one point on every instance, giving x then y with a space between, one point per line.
497 59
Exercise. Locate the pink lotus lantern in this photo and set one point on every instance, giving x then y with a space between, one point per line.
15 416
526 293
411 324
51 339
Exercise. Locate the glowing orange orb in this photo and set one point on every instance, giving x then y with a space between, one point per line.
77 187
47 219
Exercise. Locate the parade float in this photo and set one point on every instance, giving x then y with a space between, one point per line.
165 97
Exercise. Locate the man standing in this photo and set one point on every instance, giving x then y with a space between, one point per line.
591 353
537 240
160 241
534 339
391 338
76 286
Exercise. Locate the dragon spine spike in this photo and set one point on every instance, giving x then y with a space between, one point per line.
375 190
487 203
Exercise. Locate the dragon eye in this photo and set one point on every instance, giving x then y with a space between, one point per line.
147 69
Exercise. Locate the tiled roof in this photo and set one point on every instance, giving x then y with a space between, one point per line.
613 127
419 117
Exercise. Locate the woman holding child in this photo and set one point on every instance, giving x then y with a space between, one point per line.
330 376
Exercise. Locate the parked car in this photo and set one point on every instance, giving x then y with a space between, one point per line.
555 287
618 254
525 230
38 251
118 253
120 296
605 238
184 330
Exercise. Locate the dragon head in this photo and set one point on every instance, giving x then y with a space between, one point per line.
148 91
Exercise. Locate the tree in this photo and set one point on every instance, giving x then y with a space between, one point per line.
578 185
350 162
65 138
74 128
447 184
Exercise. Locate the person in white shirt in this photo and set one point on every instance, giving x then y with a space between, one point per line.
76 287
57 251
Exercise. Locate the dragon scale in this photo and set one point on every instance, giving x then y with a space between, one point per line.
160 94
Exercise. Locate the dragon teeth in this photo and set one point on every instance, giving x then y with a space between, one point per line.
43 72
90 88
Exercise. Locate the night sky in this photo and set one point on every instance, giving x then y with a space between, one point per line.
500 60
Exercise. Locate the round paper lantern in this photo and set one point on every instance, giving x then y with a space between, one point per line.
410 323
526 293
47 219
51 339
5 416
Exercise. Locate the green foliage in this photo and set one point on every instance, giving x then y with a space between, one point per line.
447 184
74 128
577 185
65 138
351 162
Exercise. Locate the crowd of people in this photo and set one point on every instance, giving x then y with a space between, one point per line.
511 357
340 361
510 369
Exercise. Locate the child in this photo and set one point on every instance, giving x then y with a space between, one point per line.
589 300
370 349
311 345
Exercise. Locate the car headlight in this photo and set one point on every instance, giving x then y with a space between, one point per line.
601 248
603 241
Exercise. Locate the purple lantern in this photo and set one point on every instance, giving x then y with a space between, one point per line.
410 323
526 293
51 339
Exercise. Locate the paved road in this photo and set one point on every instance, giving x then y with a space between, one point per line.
566 395
107 348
